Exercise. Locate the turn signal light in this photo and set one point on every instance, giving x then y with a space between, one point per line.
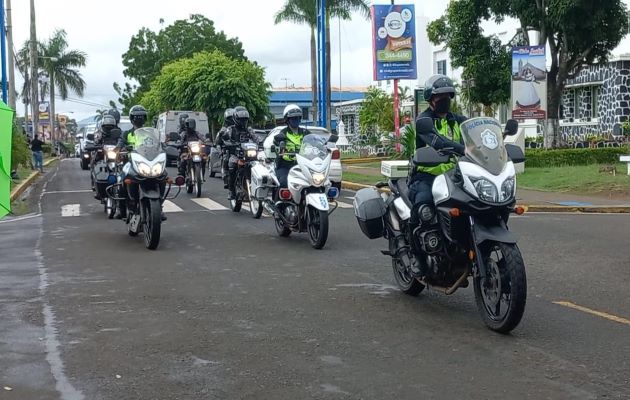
128 181
455 212
471 255
169 180
519 210
336 154
180 180
285 194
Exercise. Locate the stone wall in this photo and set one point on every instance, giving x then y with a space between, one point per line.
614 98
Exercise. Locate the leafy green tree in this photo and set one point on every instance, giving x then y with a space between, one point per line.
149 51
377 112
212 82
578 33
20 153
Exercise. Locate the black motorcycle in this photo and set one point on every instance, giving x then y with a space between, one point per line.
146 185
246 155
465 233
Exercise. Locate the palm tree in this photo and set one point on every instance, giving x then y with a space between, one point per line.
404 93
61 64
303 12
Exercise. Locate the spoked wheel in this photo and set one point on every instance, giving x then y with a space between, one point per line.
502 295
199 179
152 224
237 201
110 207
317 225
405 280
255 206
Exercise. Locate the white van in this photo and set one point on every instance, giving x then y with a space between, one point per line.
169 122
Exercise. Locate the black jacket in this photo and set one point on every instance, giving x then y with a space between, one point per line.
435 140
111 137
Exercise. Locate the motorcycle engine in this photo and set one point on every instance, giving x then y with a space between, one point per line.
430 241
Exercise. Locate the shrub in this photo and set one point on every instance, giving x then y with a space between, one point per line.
20 153
536 158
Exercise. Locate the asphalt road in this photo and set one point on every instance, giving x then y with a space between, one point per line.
225 309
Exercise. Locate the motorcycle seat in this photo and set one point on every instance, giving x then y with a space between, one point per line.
403 191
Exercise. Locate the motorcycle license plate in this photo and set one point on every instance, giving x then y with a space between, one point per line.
196 158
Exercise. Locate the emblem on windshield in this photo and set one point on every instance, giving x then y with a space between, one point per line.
489 139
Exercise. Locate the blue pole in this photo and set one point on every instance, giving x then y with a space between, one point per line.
321 62
3 51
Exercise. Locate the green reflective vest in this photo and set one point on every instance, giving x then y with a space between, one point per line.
294 142
454 134
131 138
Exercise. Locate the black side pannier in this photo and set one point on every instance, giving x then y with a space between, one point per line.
369 208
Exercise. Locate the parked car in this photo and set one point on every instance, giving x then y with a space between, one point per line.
335 174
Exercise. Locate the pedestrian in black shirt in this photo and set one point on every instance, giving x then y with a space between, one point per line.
38 154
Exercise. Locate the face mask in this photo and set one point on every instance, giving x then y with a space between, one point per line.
443 105
294 123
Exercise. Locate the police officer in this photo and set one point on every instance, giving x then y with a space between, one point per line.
439 91
292 136
114 113
235 135
138 117
228 123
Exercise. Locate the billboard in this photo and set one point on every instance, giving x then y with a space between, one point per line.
529 82
394 41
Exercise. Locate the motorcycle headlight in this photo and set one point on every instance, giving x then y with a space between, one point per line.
251 153
143 169
486 190
318 178
507 188
195 147
157 169
111 155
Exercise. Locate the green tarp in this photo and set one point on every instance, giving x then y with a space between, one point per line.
6 137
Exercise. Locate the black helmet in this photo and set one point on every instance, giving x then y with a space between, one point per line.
138 115
114 113
191 124
182 120
241 116
108 122
228 117
438 84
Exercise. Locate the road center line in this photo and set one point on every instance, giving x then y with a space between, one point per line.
593 312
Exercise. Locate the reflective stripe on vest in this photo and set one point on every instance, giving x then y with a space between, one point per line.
131 139
455 135
294 142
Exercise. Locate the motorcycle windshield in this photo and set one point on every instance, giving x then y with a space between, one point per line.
147 143
314 147
483 138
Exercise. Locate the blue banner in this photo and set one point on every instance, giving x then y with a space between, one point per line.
394 41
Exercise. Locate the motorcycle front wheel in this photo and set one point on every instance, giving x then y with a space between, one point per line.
502 295
317 225
199 179
255 206
152 224
110 207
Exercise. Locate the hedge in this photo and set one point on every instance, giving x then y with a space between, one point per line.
569 157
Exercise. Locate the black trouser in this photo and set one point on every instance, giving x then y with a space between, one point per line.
282 171
232 170
420 192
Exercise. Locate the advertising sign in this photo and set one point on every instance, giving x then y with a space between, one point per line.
394 41
529 82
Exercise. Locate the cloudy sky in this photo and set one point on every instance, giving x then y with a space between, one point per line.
103 31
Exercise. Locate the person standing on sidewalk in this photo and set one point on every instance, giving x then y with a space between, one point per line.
38 154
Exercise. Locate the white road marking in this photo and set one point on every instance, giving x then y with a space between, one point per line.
71 210
209 204
169 207
344 205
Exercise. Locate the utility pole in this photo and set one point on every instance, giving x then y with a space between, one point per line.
34 74
3 52
12 92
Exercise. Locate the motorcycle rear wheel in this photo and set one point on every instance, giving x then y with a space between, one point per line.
281 229
505 283
406 282
152 224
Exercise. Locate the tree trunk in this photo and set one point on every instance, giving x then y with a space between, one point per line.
314 73
34 74
51 107
328 108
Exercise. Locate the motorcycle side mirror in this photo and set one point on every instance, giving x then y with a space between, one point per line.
424 124
333 138
429 157
511 127
515 153
180 180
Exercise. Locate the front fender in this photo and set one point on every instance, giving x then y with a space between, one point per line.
149 192
317 200
497 231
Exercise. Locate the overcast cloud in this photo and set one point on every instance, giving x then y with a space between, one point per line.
103 31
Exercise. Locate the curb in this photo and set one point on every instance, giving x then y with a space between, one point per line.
539 208
350 161
21 188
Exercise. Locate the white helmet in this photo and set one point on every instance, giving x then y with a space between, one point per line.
292 111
